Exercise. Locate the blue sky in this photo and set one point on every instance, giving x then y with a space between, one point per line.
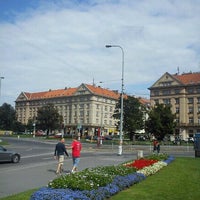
53 44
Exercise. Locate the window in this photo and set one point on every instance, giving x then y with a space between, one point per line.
81 106
156 92
166 92
191 120
190 100
81 113
177 110
198 90
156 101
166 101
191 132
176 100
176 91
198 99
166 83
190 90
190 110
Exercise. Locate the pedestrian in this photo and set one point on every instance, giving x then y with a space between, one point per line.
158 147
155 145
60 150
76 147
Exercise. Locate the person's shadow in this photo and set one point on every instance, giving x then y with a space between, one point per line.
63 171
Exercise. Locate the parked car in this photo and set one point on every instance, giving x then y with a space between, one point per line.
8 155
89 137
141 138
58 135
108 137
191 139
40 133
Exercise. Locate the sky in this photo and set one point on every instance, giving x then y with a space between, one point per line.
53 44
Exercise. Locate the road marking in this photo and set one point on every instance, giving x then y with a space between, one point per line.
36 155
30 149
47 158
27 166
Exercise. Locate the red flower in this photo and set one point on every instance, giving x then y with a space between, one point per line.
141 163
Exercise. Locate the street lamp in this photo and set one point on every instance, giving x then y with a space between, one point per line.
122 99
0 84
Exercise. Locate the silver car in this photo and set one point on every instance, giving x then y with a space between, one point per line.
8 156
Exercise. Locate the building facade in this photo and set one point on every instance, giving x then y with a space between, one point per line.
86 107
182 92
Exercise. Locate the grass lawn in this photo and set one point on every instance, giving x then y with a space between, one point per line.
178 181
21 196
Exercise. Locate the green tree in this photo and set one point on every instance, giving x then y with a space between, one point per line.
161 121
30 123
133 115
48 118
18 127
8 119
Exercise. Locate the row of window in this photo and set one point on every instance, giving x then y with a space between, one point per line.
190 110
190 120
174 91
64 101
190 100
76 114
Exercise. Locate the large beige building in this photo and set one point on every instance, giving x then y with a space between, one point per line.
183 93
86 107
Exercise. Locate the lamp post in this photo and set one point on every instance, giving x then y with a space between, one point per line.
0 84
122 99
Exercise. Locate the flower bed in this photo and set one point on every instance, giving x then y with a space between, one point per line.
141 163
101 182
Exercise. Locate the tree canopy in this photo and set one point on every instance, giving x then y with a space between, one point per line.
133 115
8 119
48 118
161 121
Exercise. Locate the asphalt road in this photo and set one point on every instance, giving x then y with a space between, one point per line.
37 165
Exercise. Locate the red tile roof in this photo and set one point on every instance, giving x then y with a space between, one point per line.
101 91
70 92
188 78
144 101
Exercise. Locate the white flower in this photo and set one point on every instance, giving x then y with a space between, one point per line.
147 171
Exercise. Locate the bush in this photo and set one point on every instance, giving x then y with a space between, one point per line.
159 157
90 178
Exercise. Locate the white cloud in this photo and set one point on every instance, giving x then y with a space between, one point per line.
63 44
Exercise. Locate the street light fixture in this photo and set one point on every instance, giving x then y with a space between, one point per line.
0 84
122 99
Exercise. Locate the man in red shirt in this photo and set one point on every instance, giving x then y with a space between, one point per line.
76 153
